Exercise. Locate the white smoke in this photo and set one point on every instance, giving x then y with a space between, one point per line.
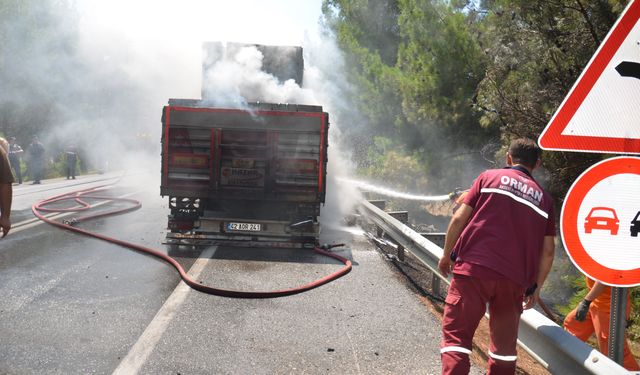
110 86
325 75
236 77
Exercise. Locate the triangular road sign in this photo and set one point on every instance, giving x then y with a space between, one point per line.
602 111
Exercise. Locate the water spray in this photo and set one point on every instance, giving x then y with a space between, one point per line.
364 186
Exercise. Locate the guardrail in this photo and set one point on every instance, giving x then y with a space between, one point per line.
555 349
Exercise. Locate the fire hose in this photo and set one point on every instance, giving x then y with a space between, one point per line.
80 198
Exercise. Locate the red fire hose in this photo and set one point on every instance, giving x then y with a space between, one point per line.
94 193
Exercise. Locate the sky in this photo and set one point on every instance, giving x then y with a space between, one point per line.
169 33
251 21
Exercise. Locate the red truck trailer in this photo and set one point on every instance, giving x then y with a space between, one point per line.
251 176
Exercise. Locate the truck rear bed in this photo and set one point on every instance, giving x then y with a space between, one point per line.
244 175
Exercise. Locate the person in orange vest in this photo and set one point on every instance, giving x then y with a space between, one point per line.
592 315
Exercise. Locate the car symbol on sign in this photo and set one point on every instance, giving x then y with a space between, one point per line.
635 225
604 218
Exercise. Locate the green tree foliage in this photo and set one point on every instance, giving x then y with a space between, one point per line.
365 29
441 65
469 74
421 96
395 167
538 49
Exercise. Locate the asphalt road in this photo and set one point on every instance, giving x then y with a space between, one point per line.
75 305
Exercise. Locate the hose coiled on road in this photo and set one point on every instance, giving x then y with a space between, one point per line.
80 197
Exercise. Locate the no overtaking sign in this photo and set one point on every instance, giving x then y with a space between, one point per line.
600 222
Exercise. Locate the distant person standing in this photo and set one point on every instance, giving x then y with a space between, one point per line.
15 154
592 315
72 159
499 246
6 190
36 160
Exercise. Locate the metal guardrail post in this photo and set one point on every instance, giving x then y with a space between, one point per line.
435 285
403 217
380 203
438 239
617 324
554 348
400 253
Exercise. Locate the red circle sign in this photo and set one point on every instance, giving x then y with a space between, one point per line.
600 222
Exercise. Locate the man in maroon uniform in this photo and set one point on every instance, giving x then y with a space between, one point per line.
500 248
6 190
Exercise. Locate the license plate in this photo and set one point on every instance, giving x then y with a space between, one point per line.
251 227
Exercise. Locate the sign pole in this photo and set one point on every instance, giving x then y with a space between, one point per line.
617 324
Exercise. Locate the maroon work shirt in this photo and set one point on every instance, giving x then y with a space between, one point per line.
511 216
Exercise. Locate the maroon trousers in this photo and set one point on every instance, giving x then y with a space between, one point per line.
466 304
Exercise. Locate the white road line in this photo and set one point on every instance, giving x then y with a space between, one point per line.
56 184
30 223
139 353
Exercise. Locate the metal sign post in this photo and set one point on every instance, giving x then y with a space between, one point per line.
617 324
